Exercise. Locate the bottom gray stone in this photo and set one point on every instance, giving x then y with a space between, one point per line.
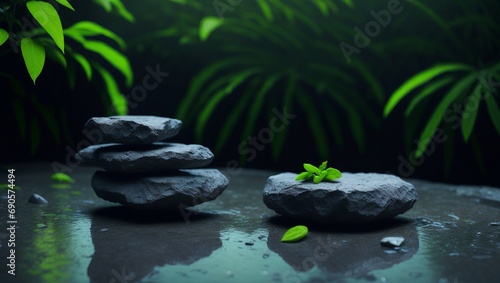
354 198
166 191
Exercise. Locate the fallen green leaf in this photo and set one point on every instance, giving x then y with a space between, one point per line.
318 174
295 234
61 177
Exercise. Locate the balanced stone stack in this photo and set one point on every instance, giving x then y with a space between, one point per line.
144 172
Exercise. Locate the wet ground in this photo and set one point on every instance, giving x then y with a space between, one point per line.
452 235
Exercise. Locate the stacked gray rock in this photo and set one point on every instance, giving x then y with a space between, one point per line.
144 172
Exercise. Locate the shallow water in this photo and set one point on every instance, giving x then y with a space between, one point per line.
450 237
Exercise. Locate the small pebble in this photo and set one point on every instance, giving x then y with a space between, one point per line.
494 223
104 229
37 199
248 244
392 241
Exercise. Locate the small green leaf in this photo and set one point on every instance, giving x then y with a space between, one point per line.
333 174
303 176
323 165
312 168
66 4
209 25
61 177
34 57
87 68
320 177
4 35
294 234
46 15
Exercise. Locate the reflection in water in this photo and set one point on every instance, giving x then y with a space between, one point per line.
130 244
348 252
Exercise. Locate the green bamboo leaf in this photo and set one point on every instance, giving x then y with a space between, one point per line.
34 57
322 6
303 176
234 116
117 98
61 177
315 125
122 10
494 111
469 117
295 234
428 90
84 63
4 35
209 25
198 83
257 104
418 80
266 9
311 168
46 15
217 97
113 57
88 28
438 114
66 4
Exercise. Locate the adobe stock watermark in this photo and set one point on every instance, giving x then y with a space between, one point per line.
249 148
455 115
372 29
223 6
152 79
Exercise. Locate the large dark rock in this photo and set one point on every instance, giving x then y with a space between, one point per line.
159 156
176 190
354 198
131 129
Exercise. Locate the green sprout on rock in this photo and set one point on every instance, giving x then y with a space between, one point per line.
318 174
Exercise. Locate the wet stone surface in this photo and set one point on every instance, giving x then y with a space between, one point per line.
236 238
131 129
158 156
354 198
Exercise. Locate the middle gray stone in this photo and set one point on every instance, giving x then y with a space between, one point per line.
158 156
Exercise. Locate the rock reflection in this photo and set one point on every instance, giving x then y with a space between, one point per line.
129 244
345 252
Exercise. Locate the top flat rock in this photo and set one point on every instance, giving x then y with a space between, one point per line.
131 129
354 198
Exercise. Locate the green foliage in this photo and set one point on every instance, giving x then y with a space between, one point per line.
82 45
281 51
295 234
61 177
460 83
318 174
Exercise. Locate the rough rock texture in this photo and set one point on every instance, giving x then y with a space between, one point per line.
354 198
178 190
158 156
131 129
